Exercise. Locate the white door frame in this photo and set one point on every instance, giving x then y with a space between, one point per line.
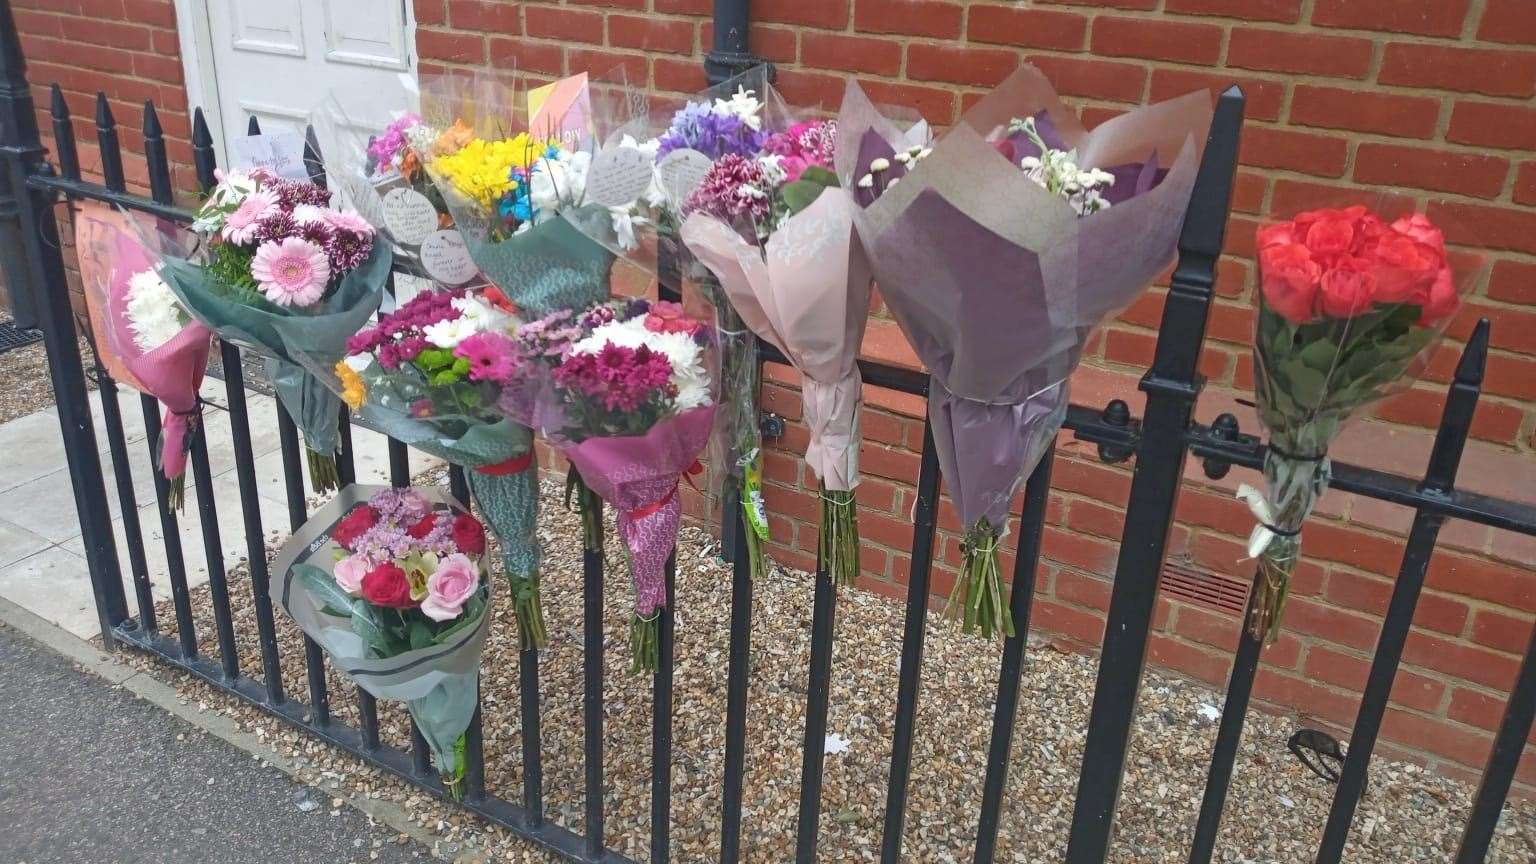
200 75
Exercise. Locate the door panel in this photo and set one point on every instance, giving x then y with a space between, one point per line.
277 59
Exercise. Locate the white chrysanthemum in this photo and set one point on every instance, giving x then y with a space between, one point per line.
558 181
774 174
154 314
305 214
623 334
745 105
448 334
481 315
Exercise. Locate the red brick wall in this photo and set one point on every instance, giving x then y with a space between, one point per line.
1433 97
127 49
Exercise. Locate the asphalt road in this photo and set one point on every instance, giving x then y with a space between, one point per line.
88 773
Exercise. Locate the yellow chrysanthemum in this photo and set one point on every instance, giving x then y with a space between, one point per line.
353 391
482 170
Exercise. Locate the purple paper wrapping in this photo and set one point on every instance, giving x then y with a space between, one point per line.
638 475
998 283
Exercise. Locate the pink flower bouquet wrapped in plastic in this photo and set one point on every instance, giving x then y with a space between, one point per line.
625 390
141 324
999 250
776 230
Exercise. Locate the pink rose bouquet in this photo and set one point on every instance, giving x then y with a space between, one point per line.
393 582
282 273
1349 307
625 390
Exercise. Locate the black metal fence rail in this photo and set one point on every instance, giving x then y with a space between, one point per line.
1162 440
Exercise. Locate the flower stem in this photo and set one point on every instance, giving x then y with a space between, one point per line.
323 476
453 781
755 520
837 547
979 598
590 506
644 643
532 634
176 492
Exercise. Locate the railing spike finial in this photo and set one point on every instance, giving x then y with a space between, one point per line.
104 118
1474 358
253 127
58 106
152 127
201 137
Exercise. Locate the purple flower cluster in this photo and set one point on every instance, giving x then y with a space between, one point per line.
405 524
619 379
699 127
346 237
549 337
735 187
397 338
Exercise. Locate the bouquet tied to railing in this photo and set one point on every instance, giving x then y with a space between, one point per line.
393 584
626 391
141 328
1350 306
999 250
775 227
282 273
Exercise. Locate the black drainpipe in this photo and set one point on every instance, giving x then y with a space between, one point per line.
729 56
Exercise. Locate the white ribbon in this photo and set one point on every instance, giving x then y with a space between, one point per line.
1261 536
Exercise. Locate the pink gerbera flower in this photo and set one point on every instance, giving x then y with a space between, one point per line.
349 220
489 356
292 272
240 227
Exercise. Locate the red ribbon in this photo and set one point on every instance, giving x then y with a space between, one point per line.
656 506
515 465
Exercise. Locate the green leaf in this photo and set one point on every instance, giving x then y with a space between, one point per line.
420 634
804 191
366 625
1320 355
322 586
1307 385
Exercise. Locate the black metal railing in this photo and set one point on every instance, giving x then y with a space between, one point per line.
1161 441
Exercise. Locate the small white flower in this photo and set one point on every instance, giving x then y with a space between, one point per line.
745 105
880 164
867 182
903 157
924 153
1029 163
448 334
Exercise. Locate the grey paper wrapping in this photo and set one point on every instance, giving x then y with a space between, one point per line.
807 292
997 283
438 684
319 337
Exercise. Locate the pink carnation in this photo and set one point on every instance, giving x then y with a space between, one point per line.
293 272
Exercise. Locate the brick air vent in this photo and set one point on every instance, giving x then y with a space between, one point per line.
1203 588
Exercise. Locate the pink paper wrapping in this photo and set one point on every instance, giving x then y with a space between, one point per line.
173 371
998 283
638 476
807 292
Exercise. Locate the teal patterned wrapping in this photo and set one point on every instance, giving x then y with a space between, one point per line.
548 267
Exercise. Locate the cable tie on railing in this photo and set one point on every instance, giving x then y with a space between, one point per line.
1295 457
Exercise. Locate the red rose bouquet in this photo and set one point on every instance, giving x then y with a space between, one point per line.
1349 306
393 582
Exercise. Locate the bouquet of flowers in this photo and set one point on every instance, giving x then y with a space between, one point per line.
430 374
776 229
624 390
393 583
284 274
143 326
1349 307
733 118
999 250
376 158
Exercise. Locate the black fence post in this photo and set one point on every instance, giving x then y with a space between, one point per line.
1172 385
34 266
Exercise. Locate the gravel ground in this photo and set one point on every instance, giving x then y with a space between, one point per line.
1275 811
28 388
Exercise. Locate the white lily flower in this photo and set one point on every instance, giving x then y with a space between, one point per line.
1260 538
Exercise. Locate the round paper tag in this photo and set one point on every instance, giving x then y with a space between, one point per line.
618 176
681 172
446 259
409 216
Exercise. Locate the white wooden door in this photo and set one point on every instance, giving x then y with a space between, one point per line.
277 59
